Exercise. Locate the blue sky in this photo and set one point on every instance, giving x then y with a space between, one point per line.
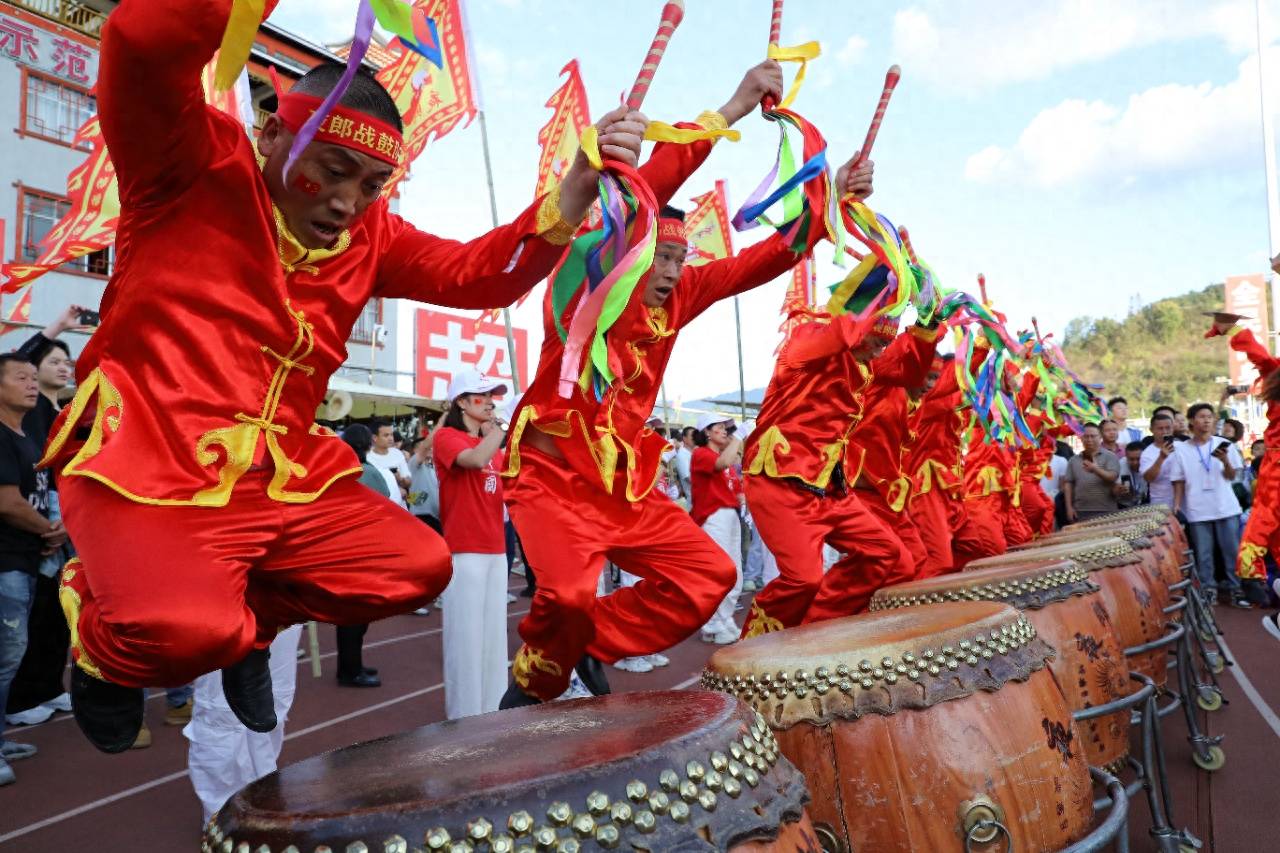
1078 152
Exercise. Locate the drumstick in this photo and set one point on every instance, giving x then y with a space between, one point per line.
906 244
890 82
672 14
775 38
982 287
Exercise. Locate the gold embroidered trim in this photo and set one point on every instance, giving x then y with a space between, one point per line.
550 224
761 622
529 662
712 120
294 256
69 599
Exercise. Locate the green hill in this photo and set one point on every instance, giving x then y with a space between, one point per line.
1156 356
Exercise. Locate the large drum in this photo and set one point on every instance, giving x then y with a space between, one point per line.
1067 611
1161 513
918 727
1142 534
1132 599
676 770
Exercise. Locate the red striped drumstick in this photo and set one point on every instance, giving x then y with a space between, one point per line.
890 81
672 14
982 287
775 38
906 244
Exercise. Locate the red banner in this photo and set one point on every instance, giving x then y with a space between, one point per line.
1247 295
448 343
432 101
798 301
19 313
559 136
707 227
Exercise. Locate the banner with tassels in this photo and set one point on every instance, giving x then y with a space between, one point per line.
707 227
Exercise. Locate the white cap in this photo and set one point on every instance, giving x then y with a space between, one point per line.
473 382
711 419
654 420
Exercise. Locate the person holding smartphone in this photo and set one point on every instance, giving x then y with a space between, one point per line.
1209 464
1159 465
1091 477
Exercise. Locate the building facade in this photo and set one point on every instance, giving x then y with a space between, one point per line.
48 67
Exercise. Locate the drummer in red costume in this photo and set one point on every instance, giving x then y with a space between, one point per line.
799 462
207 508
1033 466
993 482
937 504
584 469
1262 532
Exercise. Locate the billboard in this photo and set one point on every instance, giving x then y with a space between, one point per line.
447 343
1247 295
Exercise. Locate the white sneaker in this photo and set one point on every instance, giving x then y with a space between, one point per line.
11 751
29 717
750 586
724 638
6 774
577 690
657 660
511 599
422 611
634 665
59 703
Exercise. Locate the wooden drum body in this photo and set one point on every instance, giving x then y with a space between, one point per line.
912 726
1132 599
675 770
1068 613
1140 532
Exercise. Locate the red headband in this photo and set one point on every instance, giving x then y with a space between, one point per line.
885 327
344 126
671 230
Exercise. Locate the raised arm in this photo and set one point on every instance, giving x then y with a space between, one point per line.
1243 340
822 337
905 362
150 102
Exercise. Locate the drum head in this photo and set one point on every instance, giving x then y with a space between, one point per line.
878 662
1035 584
660 771
1094 553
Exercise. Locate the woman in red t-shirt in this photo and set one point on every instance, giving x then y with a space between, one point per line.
715 508
468 461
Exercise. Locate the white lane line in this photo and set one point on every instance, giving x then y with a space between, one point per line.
182 774
688 682
1250 692
19 730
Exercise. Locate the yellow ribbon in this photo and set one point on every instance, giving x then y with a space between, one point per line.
590 142
660 131
800 53
237 41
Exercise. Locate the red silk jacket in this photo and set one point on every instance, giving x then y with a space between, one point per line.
936 461
219 332
1243 340
819 393
606 441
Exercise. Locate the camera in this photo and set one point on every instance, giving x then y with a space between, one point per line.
731 428
89 318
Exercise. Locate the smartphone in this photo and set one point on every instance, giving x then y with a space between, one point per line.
1237 389
1127 479
89 318
731 429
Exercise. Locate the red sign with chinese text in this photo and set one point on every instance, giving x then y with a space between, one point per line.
447 343
1247 295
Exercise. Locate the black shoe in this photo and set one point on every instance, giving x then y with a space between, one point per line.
369 670
1241 603
591 671
247 688
516 698
109 715
364 679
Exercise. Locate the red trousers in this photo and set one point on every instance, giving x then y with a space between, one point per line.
794 524
986 515
900 524
1262 530
1036 508
950 537
1017 530
568 528
163 594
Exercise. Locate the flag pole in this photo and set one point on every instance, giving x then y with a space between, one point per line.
516 385
1269 166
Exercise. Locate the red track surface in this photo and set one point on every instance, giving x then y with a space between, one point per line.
72 797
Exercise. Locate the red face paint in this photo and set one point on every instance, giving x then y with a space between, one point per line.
303 183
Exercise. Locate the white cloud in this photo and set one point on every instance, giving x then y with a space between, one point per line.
852 51
969 45
1166 129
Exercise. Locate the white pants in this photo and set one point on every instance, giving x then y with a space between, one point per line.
224 756
725 529
770 568
475 635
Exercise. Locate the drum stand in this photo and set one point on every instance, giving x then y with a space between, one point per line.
1204 625
1114 829
1150 772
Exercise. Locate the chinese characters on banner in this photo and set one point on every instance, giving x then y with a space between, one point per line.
1247 295
447 343
46 51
